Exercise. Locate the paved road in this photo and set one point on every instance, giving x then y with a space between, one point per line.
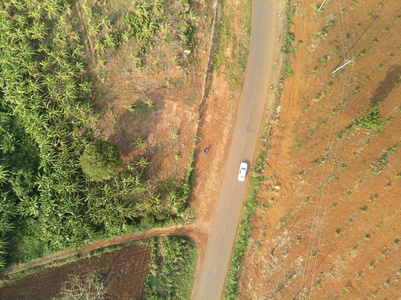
244 140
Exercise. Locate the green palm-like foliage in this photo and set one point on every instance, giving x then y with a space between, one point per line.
52 197
4 173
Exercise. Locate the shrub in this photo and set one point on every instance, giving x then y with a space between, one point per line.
372 120
171 269
100 159
89 287
290 38
147 221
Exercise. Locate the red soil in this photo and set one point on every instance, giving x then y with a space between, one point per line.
328 223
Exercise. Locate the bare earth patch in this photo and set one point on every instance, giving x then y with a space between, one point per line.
328 221
123 271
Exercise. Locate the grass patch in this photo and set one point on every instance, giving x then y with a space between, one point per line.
284 220
171 268
234 62
299 142
373 120
288 48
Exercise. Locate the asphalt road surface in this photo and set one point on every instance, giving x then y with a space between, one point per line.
224 228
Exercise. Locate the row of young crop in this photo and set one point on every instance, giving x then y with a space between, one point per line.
326 91
371 121
352 233
359 254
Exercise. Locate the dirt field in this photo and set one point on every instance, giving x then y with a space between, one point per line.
124 271
328 221
171 83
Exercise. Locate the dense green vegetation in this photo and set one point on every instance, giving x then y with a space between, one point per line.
46 117
373 120
100 159
171 269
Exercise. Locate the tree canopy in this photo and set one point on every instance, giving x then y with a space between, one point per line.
100 160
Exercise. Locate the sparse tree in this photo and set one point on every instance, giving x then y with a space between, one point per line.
89 288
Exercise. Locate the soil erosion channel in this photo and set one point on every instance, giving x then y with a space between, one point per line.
244 140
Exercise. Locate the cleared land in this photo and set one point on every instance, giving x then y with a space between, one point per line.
328 220
124 273
156 268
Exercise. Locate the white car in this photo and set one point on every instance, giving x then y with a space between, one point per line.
243 168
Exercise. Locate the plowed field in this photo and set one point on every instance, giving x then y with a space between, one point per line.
328 221
124 271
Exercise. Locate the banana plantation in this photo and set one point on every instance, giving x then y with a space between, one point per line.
47 96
